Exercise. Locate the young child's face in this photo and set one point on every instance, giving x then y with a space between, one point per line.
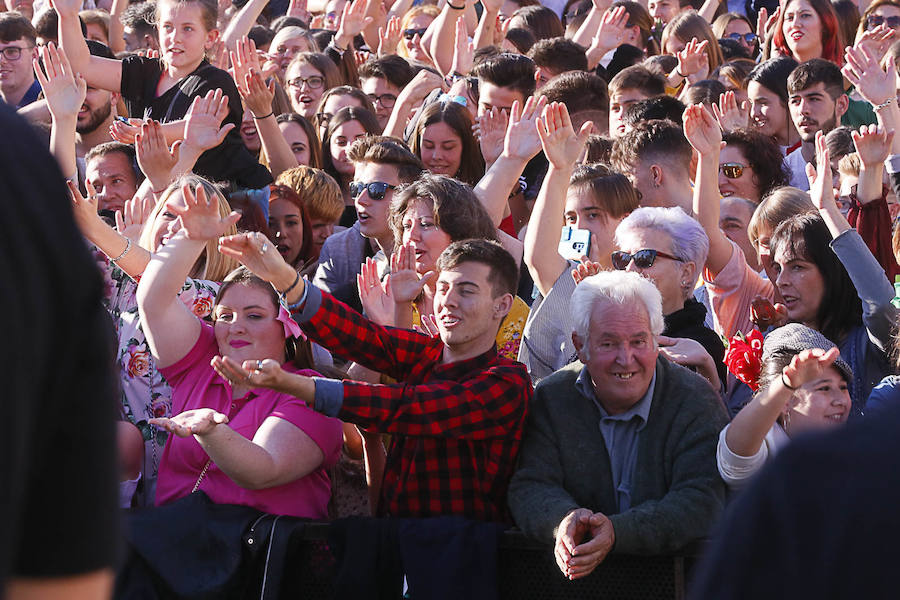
183 38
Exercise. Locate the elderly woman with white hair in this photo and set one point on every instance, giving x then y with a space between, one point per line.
669 248
647 484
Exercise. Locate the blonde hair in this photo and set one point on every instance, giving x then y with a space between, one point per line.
212 265
429 10
319 192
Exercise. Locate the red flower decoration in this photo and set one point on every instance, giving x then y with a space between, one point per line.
744 357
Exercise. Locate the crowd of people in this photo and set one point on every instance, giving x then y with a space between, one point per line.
405 259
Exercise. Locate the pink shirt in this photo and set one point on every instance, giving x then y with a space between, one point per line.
196 385
731 292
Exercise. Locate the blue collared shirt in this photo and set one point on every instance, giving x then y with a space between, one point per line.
620 435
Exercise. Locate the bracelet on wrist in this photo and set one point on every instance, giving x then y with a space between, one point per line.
337 48
785 383
885 104
677 72
292 286
124 252
454 7
299 304
255 118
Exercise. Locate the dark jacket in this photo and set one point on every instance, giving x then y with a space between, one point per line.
676 493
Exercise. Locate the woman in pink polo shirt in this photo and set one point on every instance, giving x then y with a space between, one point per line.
239 444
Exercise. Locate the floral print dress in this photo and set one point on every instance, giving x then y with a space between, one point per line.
145 393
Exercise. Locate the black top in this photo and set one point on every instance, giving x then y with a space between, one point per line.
230 160
58 477
820 521
688 323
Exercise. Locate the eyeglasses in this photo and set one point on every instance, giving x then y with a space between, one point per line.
873 21
385 100
732 170
313 83
377 189
749 38
411 33
643 259
13 53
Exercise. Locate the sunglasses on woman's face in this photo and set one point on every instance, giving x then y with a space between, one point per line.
873 21
732 170
411 33
747 38
377 189
643 259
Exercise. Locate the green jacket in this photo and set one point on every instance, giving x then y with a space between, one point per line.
676 492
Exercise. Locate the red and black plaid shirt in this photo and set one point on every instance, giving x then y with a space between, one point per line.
455 428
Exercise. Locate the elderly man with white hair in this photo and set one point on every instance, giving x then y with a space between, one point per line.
619 450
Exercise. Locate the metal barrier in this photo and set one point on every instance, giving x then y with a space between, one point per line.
527 571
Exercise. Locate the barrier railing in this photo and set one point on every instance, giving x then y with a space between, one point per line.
527 570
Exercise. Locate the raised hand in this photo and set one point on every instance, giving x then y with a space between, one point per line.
490 129
218 55
701 130
258 254
85 209
256 94
693 62
522 139
561 146
876 41
154 157
253 373
244 57
64 90
130 220
463 49
612 31
353 21
809 365
765 23
821 185
406 284
873 145
429 326
199 216
585 269
873 83
729 115
125 132
376 298
421 85
199 421
201 127
389 37
299 9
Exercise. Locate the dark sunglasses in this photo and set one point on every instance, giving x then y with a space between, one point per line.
873 21
411 33
732 170
377 189
749 38
643 259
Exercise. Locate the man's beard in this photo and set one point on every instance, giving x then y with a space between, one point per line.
95 119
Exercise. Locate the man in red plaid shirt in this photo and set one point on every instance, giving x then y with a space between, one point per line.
455 419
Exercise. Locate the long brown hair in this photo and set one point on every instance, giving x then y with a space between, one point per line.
458 118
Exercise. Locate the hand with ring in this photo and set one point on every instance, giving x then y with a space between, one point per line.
260 373
259 255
